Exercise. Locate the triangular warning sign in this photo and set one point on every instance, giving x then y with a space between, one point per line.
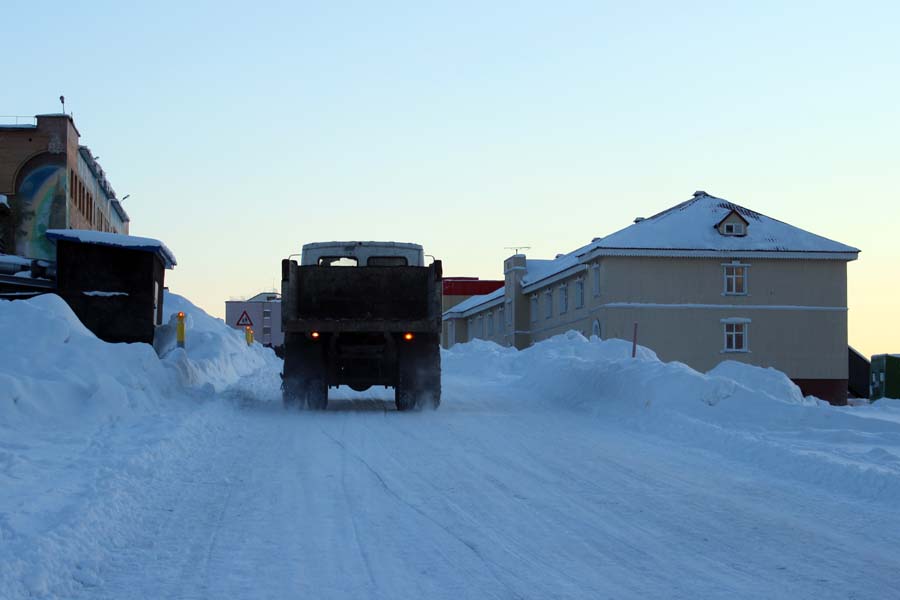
244 320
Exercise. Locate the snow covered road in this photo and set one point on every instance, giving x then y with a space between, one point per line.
474 501
568 470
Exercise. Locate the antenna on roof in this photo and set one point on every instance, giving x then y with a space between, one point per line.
517 248
62 100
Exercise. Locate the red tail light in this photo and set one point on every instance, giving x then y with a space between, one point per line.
408 336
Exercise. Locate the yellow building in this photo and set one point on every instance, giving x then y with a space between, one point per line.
704 281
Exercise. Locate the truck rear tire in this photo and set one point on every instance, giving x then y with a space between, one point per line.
418 374
303 381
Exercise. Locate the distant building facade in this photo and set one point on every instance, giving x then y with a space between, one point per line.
706 280
460 289
262 313
51 182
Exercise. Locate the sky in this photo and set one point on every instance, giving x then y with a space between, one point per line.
242 131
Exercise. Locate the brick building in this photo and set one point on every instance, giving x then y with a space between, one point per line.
50 181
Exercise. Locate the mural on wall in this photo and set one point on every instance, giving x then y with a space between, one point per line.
40 205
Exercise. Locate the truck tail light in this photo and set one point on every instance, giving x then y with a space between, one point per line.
314 335
408 336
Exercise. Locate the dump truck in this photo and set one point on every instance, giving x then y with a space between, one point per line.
361 314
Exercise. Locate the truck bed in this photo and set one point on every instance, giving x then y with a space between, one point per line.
357 299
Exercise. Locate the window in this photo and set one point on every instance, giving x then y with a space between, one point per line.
337 261
548 303
490 324
267 313
267 330
595 273
563 298
534 308
734 229
736 336
736 279
579 293
386 261
595 329
501 319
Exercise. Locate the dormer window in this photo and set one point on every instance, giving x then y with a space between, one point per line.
733 225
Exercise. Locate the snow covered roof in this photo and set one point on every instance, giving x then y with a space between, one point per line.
474 302
265 297
88 236
543 271
687 229
12 259
690 229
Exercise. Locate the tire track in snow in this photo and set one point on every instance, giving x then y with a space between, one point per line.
387 488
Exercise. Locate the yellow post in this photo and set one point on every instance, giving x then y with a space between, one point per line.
248 335
179 330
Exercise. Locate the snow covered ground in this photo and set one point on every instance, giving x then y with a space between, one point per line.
568 470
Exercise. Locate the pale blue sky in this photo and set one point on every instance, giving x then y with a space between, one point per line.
243 130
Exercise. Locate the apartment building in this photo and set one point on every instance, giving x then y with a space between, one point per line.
262 313
704 281
51 181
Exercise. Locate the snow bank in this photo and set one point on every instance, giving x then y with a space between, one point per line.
52 367
745 413
85 425
215 355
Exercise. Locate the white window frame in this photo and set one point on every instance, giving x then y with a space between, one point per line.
548 304
535 308
563 298
732 328
595 273
745 276
579 293
736 229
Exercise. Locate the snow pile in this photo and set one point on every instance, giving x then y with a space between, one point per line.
215 355
53 368
745 413
86 426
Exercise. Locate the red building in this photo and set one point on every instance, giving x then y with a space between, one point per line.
457 289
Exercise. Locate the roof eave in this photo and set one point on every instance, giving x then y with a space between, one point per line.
707 253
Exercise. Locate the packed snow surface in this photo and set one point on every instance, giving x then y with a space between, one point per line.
568 470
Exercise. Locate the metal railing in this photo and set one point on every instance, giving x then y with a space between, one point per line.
18 120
